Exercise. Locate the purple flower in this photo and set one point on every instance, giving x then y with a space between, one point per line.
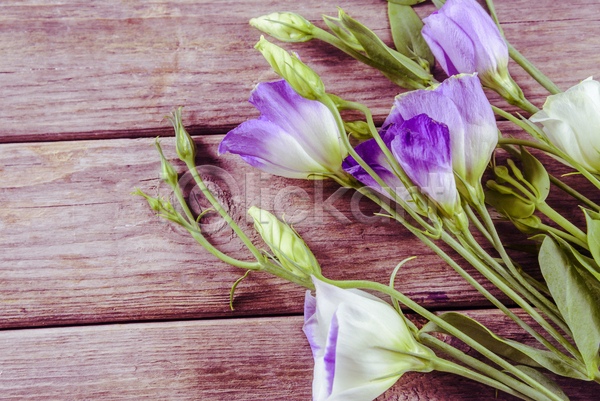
460 104
294 137
465 39
353 336
466 118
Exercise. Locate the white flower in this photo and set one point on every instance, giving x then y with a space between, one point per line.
354 336
571 122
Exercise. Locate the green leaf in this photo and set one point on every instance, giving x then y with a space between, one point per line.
509 205
379 52
536 174
513 350
593 233
582 262
406 2
578 305
544 381
406 31
342 33
439 3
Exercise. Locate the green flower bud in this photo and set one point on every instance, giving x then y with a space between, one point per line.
155 204
186 148
289 249
167 171
300 77
287 27
358 129
510 205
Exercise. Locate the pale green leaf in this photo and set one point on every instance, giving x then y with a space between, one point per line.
513 350
593 233
406 31
544 381
577 304
535 174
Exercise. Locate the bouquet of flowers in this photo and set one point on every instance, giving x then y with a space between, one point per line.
424 168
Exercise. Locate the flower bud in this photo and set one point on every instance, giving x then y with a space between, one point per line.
186 148
300 77
465 39
287 27
289 249
358 129
167 171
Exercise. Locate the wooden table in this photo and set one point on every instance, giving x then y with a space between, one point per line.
101 299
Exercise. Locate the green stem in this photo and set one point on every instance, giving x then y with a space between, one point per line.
227 259
477 223
442 365
217 206
526 105
543 207
532 70
520 59
571 191
369 285
480 366
529 144
476 263
563 235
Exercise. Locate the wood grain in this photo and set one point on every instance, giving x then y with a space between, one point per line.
243 359
80 70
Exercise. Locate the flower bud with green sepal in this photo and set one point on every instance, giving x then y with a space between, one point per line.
289 249
287 27
167 172
185 146
297 74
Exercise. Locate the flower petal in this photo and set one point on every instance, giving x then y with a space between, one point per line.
372 154
490 49
441 33
422 147
265 145
309 122
365 333
472 150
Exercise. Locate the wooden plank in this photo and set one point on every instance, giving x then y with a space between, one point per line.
73 69
247 359
75 247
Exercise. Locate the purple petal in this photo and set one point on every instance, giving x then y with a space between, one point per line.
438 52
422 147
311 325
490 48
464 38
266 145
451 46
372 154
329 357
473 147
309 122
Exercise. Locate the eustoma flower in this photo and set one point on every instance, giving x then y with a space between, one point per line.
460 104
294 137
465 39
571 122
359 344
